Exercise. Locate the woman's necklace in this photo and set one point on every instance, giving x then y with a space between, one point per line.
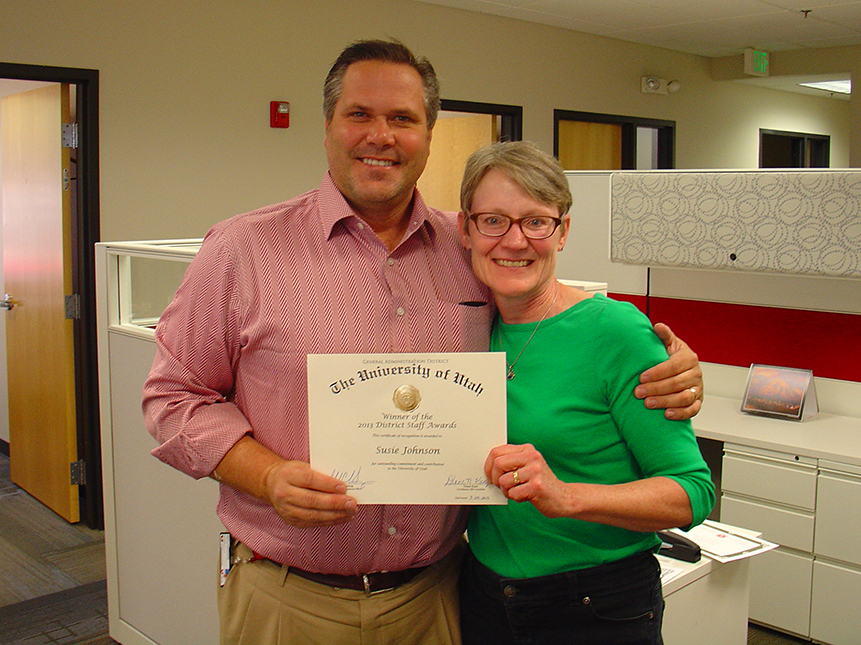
511 373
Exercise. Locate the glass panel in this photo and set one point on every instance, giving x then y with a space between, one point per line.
152 285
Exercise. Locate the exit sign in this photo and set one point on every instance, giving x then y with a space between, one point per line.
755 62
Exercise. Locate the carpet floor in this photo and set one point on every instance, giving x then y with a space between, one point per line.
52 574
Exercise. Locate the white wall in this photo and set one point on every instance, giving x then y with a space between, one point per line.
185 88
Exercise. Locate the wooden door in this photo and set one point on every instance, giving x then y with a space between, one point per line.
37 263
590 146
454 140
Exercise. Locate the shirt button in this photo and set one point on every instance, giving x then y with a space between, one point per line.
399 311
510 590
390 261
392 530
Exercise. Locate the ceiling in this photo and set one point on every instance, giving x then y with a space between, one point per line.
712 28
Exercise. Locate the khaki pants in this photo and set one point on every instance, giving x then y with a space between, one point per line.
262 604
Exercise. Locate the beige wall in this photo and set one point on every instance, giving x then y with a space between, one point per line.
185 89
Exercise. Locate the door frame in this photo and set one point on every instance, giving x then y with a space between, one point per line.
511 122
805 156
84 235
666 135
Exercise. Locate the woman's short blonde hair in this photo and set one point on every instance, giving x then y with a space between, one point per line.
537 172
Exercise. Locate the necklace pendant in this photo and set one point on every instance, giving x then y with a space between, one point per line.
510 374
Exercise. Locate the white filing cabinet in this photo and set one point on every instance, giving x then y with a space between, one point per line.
834 614
811 508
776 493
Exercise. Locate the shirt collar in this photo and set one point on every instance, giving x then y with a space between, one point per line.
334 208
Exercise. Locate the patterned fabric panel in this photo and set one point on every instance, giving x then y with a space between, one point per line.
796 222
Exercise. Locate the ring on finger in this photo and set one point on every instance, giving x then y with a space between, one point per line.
516 478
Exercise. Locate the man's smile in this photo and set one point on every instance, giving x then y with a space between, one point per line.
377 162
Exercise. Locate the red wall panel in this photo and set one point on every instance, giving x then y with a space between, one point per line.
641 302
732 334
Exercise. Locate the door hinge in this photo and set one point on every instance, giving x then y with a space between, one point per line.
78 473
70 135
73 307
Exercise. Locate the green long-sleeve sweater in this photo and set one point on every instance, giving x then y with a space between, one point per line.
572 398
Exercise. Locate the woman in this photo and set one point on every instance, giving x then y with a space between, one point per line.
589 472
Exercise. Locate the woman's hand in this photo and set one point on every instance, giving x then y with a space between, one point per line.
521 473
651 504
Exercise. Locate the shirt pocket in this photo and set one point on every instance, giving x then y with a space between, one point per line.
464 326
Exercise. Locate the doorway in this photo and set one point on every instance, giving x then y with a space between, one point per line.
462 128
83 235
778 149
591 141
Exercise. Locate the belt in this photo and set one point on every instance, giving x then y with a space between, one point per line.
370 583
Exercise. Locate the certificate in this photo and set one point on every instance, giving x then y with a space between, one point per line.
408 428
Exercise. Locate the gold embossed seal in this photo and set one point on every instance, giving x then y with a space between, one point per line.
407 398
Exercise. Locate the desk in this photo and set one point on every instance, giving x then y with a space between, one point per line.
708 603
824 436
176 539
800 484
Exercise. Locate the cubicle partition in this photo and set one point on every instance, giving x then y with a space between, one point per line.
161 529
748 266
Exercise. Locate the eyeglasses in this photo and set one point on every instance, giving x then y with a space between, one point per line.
539 227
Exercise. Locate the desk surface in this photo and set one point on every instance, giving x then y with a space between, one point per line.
823 436
690 572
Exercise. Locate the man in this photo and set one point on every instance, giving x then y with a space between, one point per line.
359 265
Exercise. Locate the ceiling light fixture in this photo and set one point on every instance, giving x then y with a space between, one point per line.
836 87
653 85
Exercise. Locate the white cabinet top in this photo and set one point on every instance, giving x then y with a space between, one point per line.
824 436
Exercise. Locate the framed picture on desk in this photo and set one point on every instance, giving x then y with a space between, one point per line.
781 392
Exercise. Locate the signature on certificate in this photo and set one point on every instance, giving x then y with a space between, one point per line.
351 478
467 482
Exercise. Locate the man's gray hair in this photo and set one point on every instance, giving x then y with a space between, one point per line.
388 51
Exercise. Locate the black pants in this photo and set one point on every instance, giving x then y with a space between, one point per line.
619 603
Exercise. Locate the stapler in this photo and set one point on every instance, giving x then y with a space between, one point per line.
678 547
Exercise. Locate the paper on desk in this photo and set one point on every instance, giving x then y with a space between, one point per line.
725 543
669 570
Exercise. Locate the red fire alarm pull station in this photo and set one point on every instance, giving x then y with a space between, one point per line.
279 114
